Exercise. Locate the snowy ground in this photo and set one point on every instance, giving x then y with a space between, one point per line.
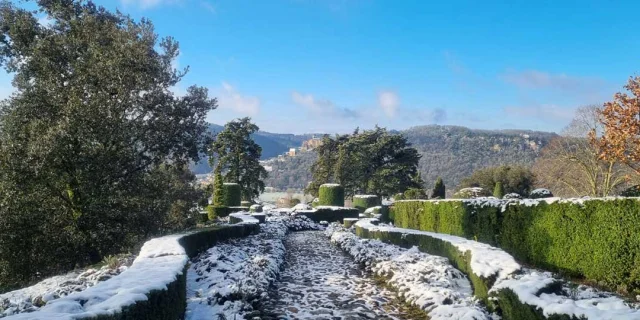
31 298
319 281
428 282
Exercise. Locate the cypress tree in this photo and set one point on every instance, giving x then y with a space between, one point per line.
218 189
438 190
498 191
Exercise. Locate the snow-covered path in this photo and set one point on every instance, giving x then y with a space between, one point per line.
320 281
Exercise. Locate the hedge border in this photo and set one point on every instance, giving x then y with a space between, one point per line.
331 195
504 301
363 203
330 214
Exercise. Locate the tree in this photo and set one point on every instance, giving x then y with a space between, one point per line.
571 166
218 189
498 191
621 121
438 191
237 156
93 141
368 162
516 179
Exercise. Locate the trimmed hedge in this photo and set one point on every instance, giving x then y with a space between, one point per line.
331 195
364 202
504 301
330 214
232 195
217 212
596 239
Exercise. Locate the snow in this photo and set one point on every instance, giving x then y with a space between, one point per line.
541 192
160 262
244 217
578 301
334 208
426 281
486 261
364 196
330 185
372 210
229 278
301 206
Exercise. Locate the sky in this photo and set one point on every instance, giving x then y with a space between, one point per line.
311 66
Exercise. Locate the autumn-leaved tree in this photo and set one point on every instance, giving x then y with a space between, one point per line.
620 118
237 157
571 165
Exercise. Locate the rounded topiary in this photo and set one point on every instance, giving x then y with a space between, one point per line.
512 195
470 193
232 195
363 202
540 193
331 194
415 194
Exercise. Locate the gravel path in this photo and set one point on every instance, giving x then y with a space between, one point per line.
319 281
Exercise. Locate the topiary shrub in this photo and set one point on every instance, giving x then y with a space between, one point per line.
331 194
512 195
363 202
439 191
471 193
294 201
232 195
540 193
330 214
415 194
498 190
398 196
217 212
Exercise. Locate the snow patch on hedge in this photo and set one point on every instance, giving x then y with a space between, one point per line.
426 281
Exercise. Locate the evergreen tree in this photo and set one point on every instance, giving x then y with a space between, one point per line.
498 191
439 191
218 189
93 140
238 157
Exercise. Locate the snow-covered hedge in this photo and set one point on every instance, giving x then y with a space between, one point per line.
512 291
154 287
363 202
329 213
429 282
331 194
592 238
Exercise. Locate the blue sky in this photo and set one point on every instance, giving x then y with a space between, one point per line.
332 65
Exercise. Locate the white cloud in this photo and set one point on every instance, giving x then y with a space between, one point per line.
544 112
232 99
146 4
389 101
321 107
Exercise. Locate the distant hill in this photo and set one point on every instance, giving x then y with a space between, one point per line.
451 152
273 144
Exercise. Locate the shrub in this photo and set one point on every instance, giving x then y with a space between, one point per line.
217 212
594 239
364 202
470 193
415 193
512 195
232 195
633 191
398 196
540 194
294 201
255 208
331 195
439 191
498 191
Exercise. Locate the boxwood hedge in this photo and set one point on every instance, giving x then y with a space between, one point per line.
232 195
330 214
596 239
331 195
364 202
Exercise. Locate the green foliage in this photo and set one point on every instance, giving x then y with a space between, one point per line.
471 193
218 211
331 195
238 156
439 191
633 191
516 179
218 188
398 196
331 214
369 162
415 194
498 191
232 194
256 208
294 201
596 240
363 203
84 137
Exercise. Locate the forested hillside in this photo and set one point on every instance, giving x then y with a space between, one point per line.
451 152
